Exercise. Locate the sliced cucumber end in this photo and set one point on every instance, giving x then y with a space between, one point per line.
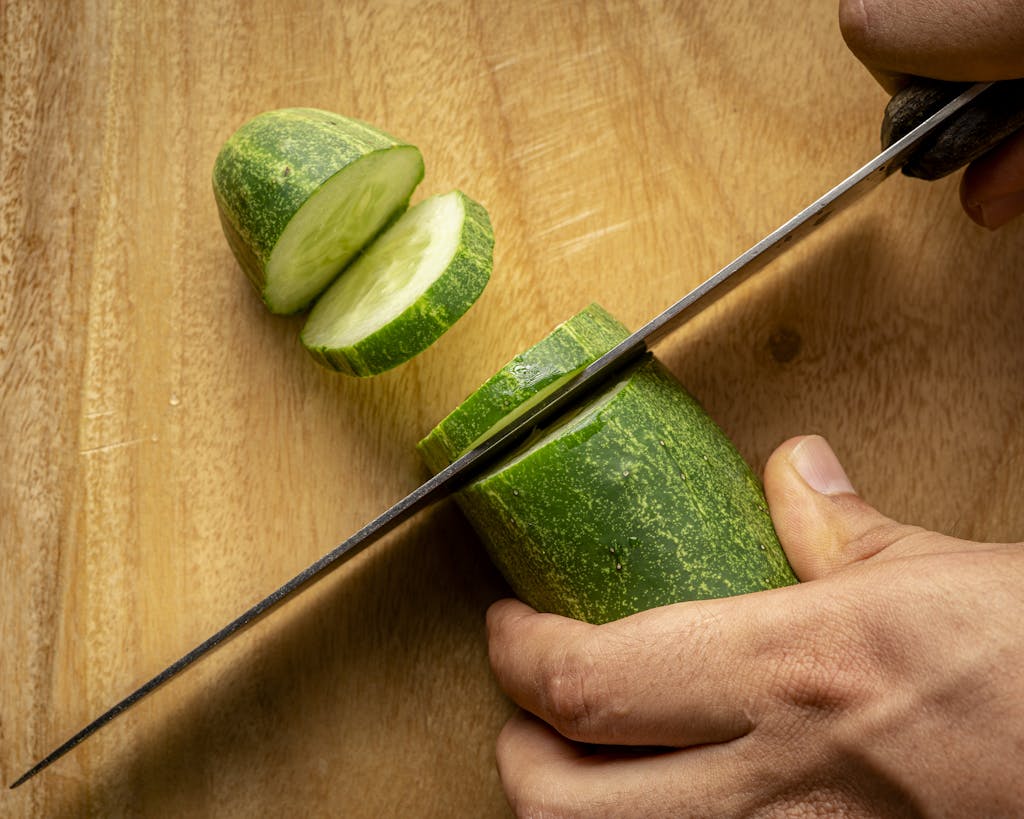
406 289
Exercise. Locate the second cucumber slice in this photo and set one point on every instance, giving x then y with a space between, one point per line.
522 383
406 289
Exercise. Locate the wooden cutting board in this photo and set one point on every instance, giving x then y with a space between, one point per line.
169 454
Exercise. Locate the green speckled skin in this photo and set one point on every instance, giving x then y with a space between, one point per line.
567 349
424 321
648 503
272 164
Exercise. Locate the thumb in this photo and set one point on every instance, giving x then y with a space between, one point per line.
822 523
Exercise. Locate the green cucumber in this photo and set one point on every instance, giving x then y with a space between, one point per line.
524 381
406 289
635 500
301 191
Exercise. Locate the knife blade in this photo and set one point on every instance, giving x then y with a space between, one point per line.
891 159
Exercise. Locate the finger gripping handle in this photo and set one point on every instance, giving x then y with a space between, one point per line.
995 114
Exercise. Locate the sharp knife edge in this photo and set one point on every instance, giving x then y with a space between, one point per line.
473 463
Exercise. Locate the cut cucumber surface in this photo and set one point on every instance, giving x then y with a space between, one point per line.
522 383
407 288
301 191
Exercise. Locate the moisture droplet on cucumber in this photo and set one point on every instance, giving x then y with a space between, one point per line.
635 500
300 191
406 289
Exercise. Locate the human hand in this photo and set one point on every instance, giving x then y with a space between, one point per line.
946 40
888 683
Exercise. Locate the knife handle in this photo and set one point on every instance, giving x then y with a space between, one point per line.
988 120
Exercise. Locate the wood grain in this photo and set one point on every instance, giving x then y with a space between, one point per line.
169 454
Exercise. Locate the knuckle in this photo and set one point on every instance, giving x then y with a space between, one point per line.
882 536
816 684
825 670
572 695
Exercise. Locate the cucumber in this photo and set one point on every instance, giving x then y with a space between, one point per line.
406 289
524 381
300 192
635 500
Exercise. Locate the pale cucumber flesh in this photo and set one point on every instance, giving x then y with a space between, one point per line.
390 275
524 407
335 223
566 425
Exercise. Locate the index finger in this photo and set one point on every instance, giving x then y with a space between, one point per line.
655 678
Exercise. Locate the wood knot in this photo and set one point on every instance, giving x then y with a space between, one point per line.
784 344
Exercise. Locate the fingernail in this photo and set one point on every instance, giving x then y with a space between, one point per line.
997 212
817 464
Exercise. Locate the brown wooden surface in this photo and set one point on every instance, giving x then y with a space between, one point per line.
169 453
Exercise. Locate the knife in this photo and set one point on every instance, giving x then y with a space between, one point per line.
919 125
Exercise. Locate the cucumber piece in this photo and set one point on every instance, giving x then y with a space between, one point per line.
634 500
521 383
301 191
406 289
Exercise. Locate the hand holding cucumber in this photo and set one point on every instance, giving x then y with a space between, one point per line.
887 685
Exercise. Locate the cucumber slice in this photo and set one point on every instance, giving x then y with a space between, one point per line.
406 289
301 191
521 383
